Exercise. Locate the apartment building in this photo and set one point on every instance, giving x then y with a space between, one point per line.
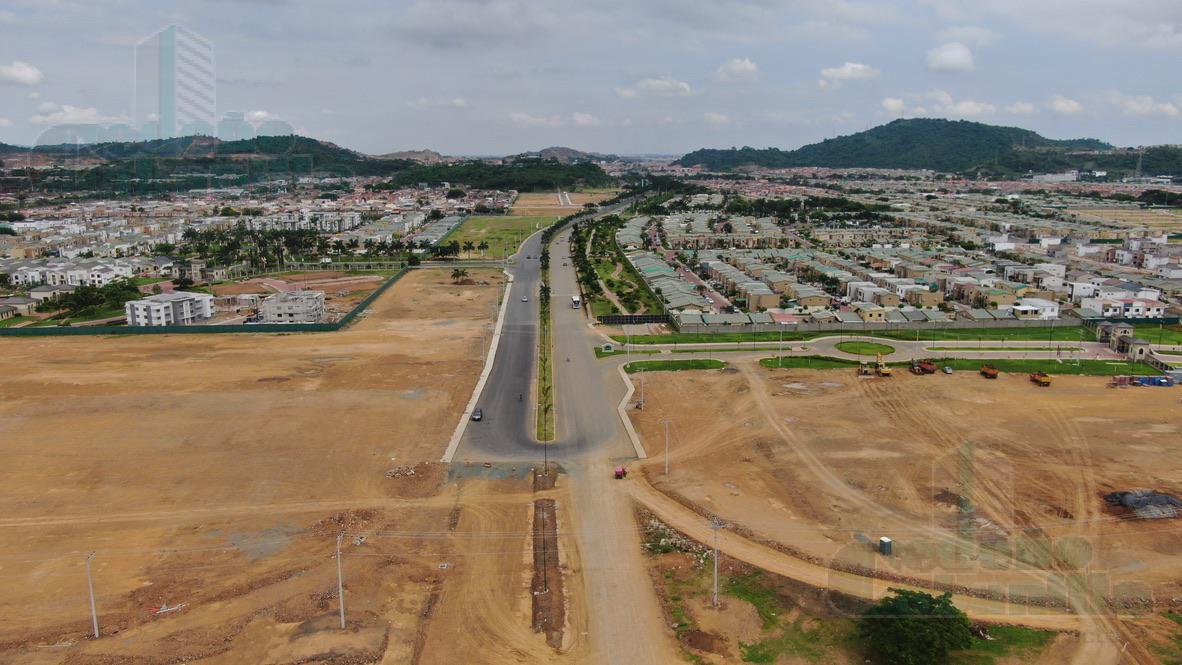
169 309
293 307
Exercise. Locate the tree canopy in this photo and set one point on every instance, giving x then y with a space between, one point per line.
914 628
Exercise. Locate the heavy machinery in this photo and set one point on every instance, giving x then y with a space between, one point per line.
880 367
924 367
989 371
1040 379
864 370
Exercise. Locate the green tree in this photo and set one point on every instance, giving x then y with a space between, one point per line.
914 628
458 275
483 246
468 247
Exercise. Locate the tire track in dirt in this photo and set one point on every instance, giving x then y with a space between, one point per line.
1100 632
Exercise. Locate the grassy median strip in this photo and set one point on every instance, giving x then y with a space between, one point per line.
1022 366
1023 349
1047 333
814 362
1011 365
865 348
600 353
545 424
673 365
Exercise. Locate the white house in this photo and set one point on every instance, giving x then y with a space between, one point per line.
169 309
1036 308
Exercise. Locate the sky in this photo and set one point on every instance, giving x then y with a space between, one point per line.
486 77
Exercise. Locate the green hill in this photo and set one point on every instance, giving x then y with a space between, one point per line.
945 145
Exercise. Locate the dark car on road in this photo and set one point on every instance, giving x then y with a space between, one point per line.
478 414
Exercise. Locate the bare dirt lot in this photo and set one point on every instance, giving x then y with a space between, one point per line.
548 203
1162 219
215 472
984 485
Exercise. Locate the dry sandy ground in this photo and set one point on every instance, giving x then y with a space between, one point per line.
217 470
546 203
824 463
1155 218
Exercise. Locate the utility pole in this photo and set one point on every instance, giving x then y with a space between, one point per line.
90 588
666 421
340 579
715 524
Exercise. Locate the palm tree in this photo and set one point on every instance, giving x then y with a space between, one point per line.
468 247
483 246
458 275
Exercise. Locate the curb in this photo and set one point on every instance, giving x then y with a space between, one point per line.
454 443
632 435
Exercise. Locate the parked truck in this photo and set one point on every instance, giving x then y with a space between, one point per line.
924 367
1040 379
989 371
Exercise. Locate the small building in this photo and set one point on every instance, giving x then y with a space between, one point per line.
7 312
924 298
293 307
1109 331
24 306
49 292
869 312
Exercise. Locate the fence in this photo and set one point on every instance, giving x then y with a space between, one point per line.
862 327
212 329
627 319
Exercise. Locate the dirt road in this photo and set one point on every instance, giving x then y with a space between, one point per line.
1095 647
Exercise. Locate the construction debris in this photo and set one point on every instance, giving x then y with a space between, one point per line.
1146 504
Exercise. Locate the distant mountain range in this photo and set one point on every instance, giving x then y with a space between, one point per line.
194 162
421 156
948 146
566 155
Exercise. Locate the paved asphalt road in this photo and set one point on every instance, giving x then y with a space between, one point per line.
624 618
586 414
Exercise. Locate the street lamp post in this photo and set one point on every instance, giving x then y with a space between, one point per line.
666 421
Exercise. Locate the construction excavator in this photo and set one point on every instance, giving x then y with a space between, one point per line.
880 367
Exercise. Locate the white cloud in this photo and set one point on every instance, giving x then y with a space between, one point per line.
585 120
969 34
1064 106
665 86
260 116
7 17
424 102
969 108
738 70
20 73
525 120
1141 104
577 119
833 77
34 95
64 114
951 57
5 122
1021 108
1155 24
716 119
937 103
